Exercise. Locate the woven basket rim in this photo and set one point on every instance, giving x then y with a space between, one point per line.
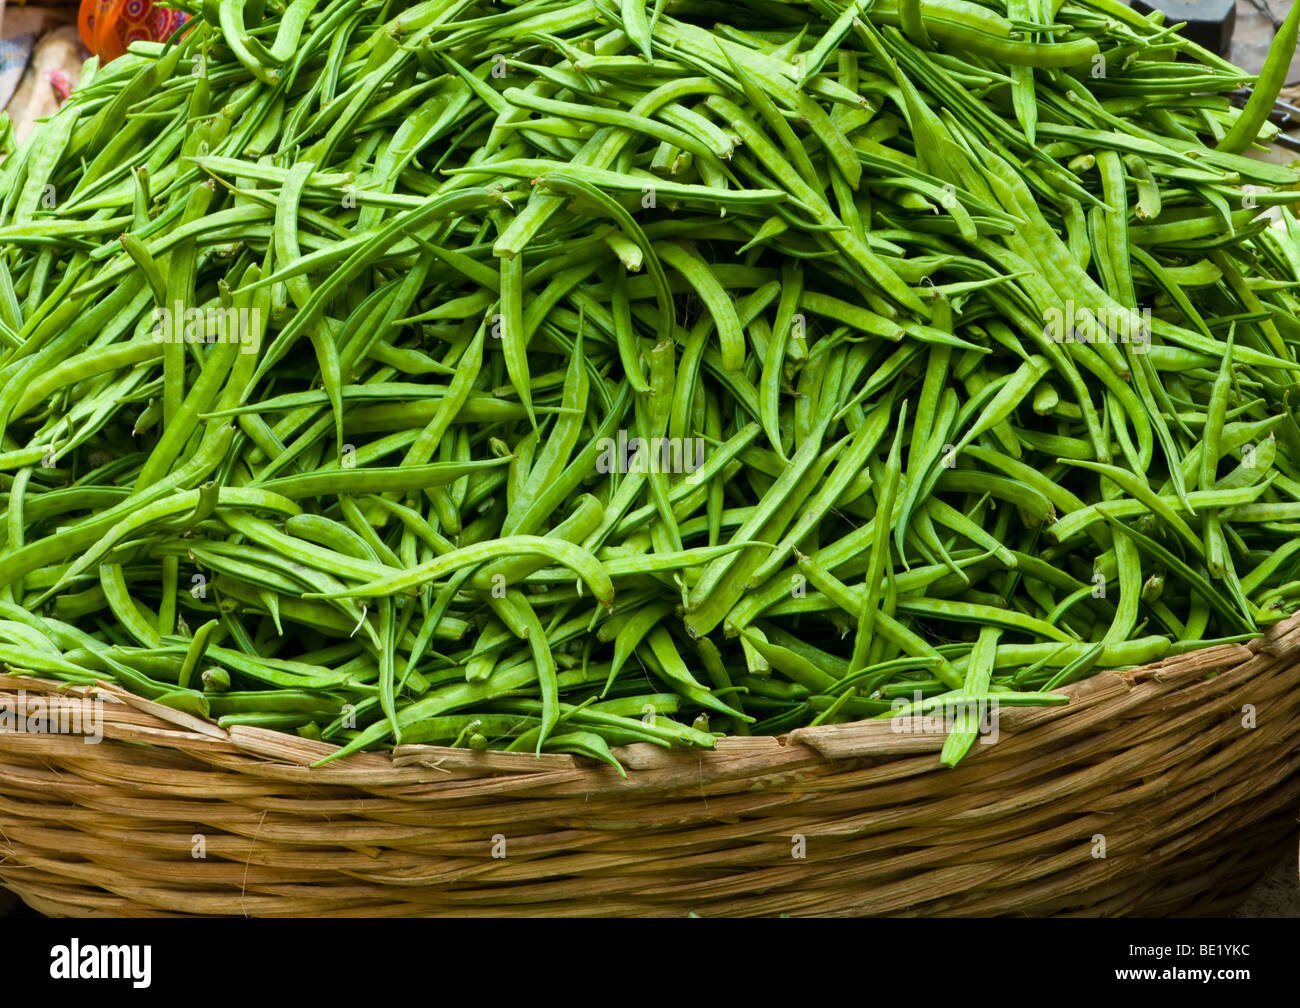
142 720
1192 802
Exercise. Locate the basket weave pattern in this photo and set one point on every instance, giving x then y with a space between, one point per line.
1157 768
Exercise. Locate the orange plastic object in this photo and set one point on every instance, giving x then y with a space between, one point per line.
107 27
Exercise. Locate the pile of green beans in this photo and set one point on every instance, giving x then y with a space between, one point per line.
841 261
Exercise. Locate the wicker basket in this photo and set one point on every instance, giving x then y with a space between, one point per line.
1159 764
